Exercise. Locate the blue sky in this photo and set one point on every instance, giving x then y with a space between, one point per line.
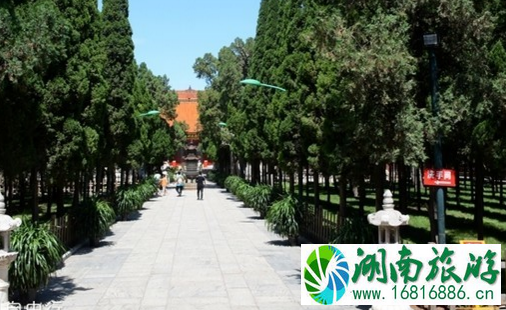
170 34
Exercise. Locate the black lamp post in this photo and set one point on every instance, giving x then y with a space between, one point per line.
431 42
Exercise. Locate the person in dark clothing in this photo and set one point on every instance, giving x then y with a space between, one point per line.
201 181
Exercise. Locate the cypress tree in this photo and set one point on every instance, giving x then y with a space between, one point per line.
119 74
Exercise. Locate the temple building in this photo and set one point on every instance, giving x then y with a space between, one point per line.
187 112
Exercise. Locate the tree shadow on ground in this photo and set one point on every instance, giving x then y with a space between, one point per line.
283 243
134 215
88 249
295 275
57 289
213 185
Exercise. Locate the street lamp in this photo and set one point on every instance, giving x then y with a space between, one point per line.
258 83
431 42
149 113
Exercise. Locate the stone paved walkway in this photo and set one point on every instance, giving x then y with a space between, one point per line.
183 253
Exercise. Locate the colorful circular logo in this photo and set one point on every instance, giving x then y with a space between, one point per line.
326 275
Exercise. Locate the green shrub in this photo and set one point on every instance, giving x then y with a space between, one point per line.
93 218
260 198
217 177
354 230
39 253
147 188
242 191
283 218
232 182
127 200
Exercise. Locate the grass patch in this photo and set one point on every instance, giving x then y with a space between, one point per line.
459 215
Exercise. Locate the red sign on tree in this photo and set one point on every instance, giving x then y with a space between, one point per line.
441 177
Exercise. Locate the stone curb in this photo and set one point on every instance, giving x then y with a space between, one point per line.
73 250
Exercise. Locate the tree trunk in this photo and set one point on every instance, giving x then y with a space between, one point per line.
403 191
316 188
501 192
281 180
60 206
255 171
418 188
34 186
291 181
50 196
432 218
327 188
457 186
300 185
242 168
379 182
10 195
478 201
22 192
361 196
99 177
308 190
77 187
471 177
342 200
111 179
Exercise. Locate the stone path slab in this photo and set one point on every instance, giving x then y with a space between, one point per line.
183 253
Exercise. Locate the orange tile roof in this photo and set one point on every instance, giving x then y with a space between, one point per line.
187 109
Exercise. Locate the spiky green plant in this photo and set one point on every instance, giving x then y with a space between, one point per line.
259 198
283 218
93 218
39 253
354 230
127 200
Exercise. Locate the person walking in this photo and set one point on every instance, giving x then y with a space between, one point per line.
179 183
201 182
163 184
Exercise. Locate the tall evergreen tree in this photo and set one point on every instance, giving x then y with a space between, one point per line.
36 36
119 73
219 103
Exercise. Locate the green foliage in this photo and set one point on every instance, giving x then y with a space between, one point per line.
128 199
260 198
93 217
217 177
119 74
223 94
232 182
242 191
354 230
131 198
39 253
147 188
284 217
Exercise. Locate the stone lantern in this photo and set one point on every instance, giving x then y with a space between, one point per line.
388 220
7 224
